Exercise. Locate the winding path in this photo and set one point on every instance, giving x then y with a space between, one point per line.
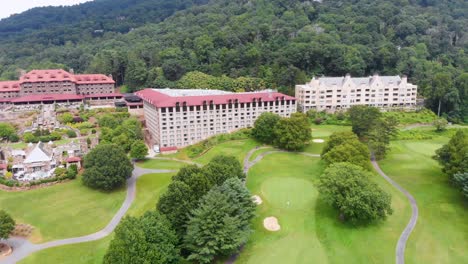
401 245
23 248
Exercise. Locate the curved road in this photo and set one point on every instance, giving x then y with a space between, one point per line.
23 248
401 245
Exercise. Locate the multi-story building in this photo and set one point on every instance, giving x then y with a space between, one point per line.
335 93
40 86
178 118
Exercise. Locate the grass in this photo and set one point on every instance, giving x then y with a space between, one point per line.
259 152
64 210
90 253
324 131
440 235
310 229
237 148
161 164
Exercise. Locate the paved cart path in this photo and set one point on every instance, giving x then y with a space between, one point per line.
23 248
401 245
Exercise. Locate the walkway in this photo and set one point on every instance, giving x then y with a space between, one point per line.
23 248
401 245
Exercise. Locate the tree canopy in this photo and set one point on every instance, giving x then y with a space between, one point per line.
453 156
292 133
275 44
7 225
264 127
148 239
107 167
349 189
139 150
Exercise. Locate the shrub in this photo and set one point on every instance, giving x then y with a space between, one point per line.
71 133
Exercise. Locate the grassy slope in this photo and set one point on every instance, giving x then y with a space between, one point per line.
149 188
63 210
161 164
441 234
310 229
237 148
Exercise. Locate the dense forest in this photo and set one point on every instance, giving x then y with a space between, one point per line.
249 44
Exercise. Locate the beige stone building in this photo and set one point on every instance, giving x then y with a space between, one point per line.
178 118
335 93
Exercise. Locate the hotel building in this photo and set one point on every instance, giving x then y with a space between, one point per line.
335 93
49 86
178 118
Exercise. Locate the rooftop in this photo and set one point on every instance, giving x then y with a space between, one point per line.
172 97
37 155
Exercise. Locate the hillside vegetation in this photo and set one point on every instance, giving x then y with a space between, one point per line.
280 42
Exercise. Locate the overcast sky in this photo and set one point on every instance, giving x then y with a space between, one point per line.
9 7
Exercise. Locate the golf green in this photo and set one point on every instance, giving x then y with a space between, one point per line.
289 193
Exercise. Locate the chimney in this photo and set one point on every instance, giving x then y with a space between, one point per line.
72 71
22 73
404 79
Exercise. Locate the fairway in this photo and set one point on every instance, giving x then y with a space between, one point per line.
236 148
310 229
161 164
64 210
441 234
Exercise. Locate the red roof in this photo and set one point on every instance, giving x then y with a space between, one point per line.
159 99
3 166
73 159
58 75
104 95
93 78
166 149
9 86
46 98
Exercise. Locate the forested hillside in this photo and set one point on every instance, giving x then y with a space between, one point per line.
250 43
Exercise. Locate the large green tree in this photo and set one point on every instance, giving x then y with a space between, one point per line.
6 131
107 167
148 239
221 224
353 152
264 127
351 191
139 150
453 156
461 181
338 138
223 167
363 119
293 133
7 225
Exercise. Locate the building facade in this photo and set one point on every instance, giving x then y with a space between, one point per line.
178 118
57 85
336 93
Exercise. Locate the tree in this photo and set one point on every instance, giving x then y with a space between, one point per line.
149 239
379 136
7 225
6 130
338 138
107 167
292 133
348 188
440 124
363 119
221 224
353 152
221 168
461 181
175 204
264 126
66 118
139 150
453 156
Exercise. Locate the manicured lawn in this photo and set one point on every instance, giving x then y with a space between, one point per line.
310 229
161 164
90 253
441 234
260 151
64 210
149 188
323 131
237 148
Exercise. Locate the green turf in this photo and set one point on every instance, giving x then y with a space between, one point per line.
259 152
237 148
149 188
89 253
323 131
441 234
161 164
310 229
64 210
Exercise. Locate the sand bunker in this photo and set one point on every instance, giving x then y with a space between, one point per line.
271 224
318 140
257 200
